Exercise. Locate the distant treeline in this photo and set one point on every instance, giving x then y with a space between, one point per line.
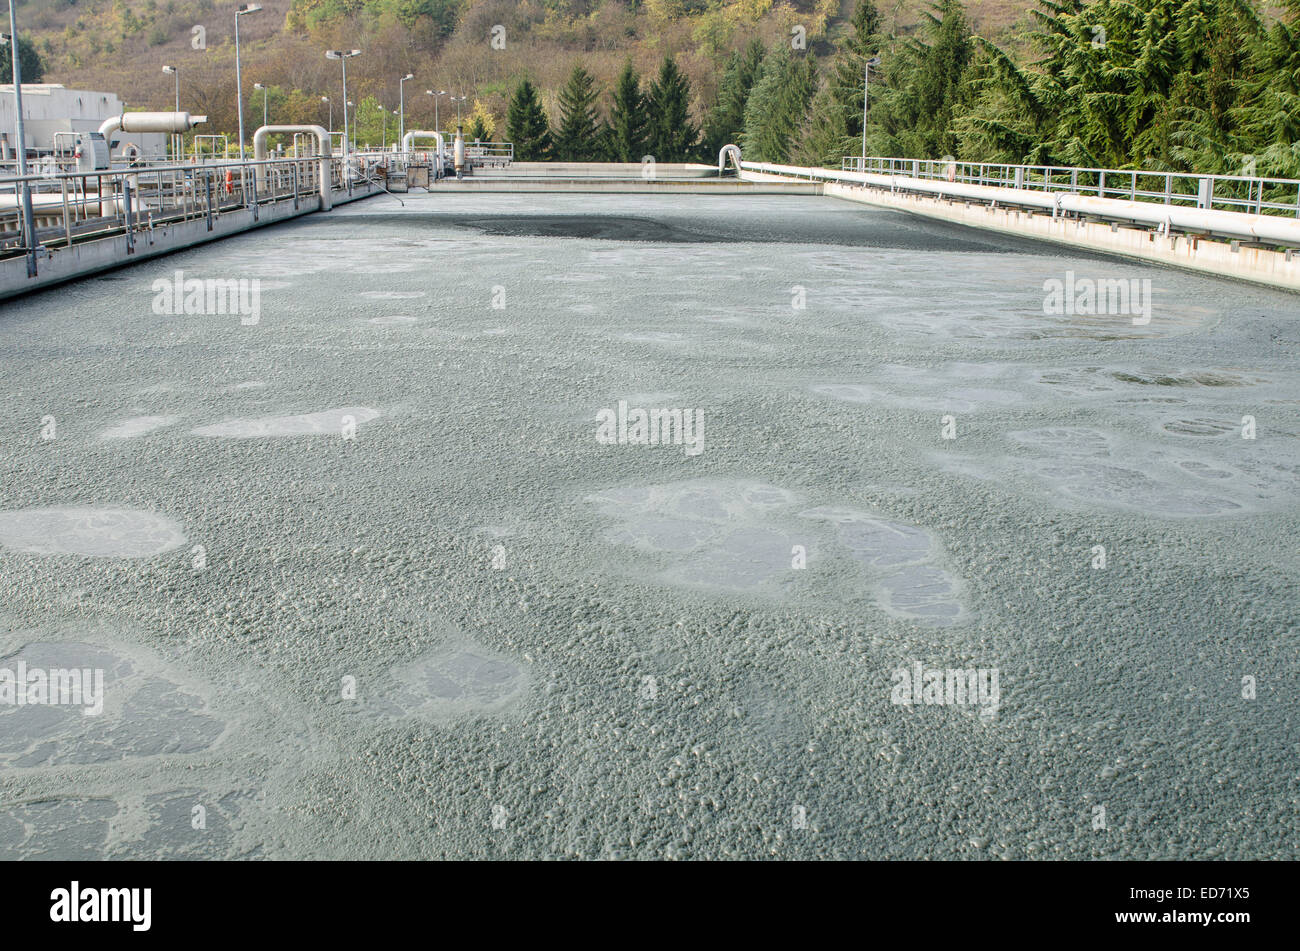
1185 85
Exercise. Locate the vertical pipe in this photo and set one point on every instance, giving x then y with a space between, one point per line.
344 61
866 88
29 225
127 217
67 220
239 89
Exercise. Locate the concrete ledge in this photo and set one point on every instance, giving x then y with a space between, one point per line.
724 186
601 170
1256 265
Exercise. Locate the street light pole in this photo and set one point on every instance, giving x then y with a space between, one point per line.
436 96
244 10
866 90
265 92
179 138
331 128
401 104
29 225
343 56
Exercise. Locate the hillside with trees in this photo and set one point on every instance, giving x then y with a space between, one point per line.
1209 85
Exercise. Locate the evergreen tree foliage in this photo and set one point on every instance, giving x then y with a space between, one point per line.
578 137
924 88
526 125
672 137
834 125
29 60
726 120
628 119
774 114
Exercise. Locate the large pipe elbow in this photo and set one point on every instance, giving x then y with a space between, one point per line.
408 140
259 137
324 144
734 152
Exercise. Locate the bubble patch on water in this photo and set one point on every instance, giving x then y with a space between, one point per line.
667 338
138 426
1065 440
93 532
1010 304
1128 473
144 712
955 400
156 826
720 527
1201 426
1122 487
740 536
327 422
395 320
451 681
901 558
56 829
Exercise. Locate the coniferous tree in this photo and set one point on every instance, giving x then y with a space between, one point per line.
726 120
1268 113
672 137
29 62
834 125
849 76
775 112
628 121
924 87
578 137
1150 83
526 124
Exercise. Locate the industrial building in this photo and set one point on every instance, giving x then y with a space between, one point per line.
53 115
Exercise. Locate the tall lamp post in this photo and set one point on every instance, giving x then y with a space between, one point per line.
343 56
401 104
29 226
436 96
331 125
179 137
866 90
175 71
353 106
265 92
244 10
458 100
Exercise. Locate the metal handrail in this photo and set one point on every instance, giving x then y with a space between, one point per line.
1243 193
77 205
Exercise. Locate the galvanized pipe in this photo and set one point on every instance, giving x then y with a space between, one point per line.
326 148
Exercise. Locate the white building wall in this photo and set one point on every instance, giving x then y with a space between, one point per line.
49 108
